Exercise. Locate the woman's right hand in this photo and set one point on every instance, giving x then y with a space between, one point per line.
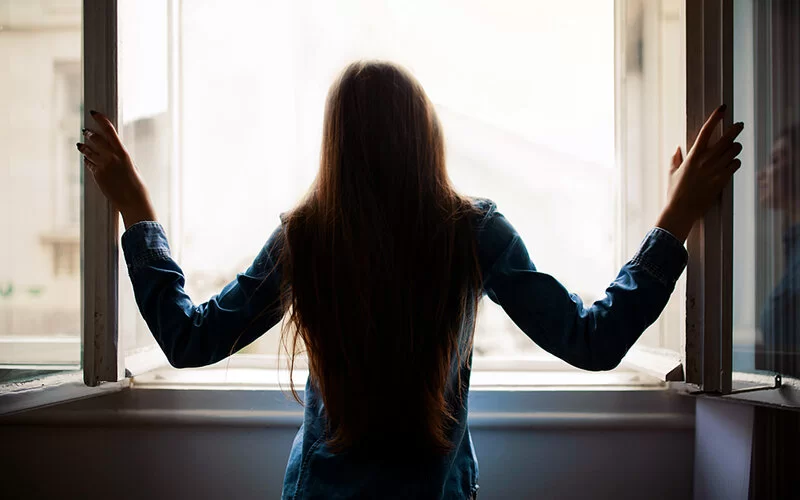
697 181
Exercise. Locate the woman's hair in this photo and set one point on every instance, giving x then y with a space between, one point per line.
380 267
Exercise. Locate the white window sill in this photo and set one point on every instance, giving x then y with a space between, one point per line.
260 372
270 379
49 390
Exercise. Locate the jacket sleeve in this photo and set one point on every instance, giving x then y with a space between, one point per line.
193 335
595 337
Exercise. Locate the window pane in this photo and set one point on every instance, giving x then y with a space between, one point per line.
767 188
146 129
525 92
651 118
40 185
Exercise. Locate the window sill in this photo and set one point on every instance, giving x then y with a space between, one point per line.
493 410
17 397
260 372
246 374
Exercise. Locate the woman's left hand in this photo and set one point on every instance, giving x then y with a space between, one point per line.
114 172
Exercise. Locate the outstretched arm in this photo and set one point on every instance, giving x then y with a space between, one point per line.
598 337
198 335
189 334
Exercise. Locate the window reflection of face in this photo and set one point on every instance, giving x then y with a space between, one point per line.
776 181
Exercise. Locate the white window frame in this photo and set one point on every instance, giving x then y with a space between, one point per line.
99 229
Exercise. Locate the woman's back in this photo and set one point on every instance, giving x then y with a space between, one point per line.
379 266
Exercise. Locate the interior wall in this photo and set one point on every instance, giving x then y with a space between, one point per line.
723 443
68 458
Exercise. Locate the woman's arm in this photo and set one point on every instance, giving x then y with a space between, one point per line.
198 335
593 338
190 335
598 337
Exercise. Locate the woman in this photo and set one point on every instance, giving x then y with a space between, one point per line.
778 349
380 270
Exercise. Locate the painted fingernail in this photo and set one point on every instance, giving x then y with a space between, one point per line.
723 107
92 112
78 145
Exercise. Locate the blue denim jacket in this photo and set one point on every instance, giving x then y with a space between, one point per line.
592 338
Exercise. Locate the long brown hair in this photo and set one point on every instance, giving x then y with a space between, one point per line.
381 268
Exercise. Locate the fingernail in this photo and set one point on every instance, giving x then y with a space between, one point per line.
78 145
92 112
83 131
723 107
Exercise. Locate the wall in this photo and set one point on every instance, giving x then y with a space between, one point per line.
594 444
723 442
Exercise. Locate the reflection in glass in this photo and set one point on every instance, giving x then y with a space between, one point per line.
767 189
779 192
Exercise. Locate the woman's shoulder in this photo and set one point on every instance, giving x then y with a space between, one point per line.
484 206
489 219
493 231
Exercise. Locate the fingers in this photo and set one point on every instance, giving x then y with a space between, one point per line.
97 142
708 128
87 152
677 160
726 174
107 128
724 142
729 155
92 155
89 164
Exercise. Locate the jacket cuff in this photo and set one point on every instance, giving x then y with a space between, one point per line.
662 256
144 243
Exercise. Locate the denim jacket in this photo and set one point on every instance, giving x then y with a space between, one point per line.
592 338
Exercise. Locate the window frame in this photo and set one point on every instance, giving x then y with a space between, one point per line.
99 220
709 297
709 43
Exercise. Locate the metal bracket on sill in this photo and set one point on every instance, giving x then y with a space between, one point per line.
777 385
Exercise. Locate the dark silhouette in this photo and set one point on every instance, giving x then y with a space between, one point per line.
779 189
384 229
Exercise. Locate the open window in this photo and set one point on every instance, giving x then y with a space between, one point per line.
564 113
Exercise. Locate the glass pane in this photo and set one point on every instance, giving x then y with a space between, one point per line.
40 186
767 188
145 115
